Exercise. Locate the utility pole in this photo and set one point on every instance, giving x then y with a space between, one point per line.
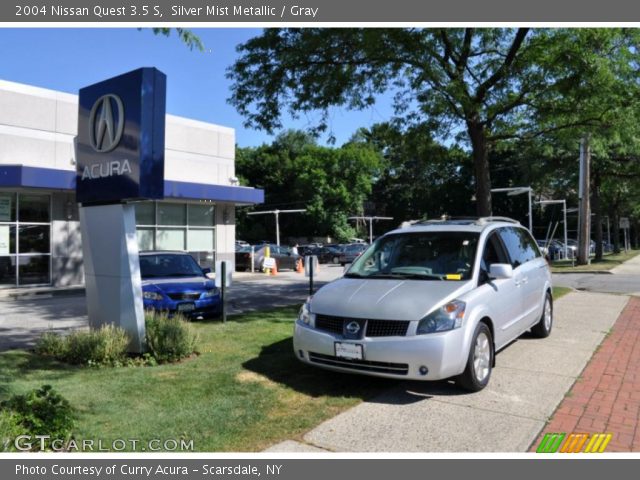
370 220
584 230
277 215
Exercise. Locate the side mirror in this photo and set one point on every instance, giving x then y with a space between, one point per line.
500 270
206 271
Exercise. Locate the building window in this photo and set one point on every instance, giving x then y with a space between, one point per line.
25 239
178 226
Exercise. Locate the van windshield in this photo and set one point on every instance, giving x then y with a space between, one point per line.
419 255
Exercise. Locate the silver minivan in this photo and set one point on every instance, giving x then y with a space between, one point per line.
431 301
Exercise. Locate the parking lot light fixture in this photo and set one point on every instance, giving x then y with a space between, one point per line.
277 214
370 220
511 191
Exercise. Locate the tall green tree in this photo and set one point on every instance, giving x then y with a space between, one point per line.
491 85
295 172
420 178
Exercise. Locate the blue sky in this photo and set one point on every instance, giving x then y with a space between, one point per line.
67 59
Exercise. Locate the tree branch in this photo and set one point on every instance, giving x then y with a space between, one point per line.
502 69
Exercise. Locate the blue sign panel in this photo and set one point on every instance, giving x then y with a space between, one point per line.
120 148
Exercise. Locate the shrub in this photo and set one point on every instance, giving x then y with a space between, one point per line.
51 344
169 339
10 428
42 412
106 346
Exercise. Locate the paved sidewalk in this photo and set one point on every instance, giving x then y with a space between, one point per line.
530 380
606 397
631 266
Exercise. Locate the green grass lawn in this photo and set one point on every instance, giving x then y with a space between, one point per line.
607 263
559 292
244 392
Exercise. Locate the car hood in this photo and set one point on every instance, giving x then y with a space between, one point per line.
389 299
173 284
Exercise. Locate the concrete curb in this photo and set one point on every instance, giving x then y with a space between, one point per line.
597 272
44 292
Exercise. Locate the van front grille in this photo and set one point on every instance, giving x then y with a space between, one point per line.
374 328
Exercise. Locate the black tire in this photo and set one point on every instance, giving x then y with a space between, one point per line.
335 260
475 379
543 328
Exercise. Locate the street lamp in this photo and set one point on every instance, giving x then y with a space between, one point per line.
517 191
564 211
277 214
370 219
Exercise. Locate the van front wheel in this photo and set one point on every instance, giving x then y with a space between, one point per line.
542 329
478 370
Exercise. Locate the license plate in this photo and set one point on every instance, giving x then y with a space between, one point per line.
352 351
186 307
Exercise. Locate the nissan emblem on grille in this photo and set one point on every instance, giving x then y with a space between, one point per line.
353 328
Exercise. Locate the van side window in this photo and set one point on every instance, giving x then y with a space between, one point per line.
519 244
493 253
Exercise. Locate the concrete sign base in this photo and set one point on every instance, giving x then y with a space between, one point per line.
112 270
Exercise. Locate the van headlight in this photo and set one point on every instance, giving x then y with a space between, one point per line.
305 317
447 317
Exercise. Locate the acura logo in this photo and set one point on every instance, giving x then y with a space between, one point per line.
352 328
106 123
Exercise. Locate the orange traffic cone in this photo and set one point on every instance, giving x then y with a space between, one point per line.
274 270
299 268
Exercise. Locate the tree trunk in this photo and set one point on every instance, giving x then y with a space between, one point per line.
615 231
478 137
595 204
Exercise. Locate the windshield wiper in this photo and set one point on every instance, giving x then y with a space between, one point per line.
414 275
355 275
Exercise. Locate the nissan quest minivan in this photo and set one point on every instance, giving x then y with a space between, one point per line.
432 301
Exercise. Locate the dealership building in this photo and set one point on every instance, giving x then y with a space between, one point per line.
40 240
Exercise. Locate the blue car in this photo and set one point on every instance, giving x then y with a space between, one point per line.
175 283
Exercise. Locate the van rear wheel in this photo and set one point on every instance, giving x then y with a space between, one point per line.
478 370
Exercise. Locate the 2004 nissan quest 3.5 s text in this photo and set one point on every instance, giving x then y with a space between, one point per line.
431 301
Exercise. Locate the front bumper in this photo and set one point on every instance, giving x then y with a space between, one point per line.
443 354
205 307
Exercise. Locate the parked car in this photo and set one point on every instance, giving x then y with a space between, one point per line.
351 251
241 243
285 258
432 301
325 254
554 249
174 282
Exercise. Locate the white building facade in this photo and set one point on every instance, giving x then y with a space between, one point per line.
40 241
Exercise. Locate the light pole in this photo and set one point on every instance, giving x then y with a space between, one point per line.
512 191
277 215
564 212
370 219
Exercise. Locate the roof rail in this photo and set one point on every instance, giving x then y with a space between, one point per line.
483 220
445 218
461 220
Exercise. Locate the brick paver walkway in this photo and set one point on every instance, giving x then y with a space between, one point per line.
606 397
